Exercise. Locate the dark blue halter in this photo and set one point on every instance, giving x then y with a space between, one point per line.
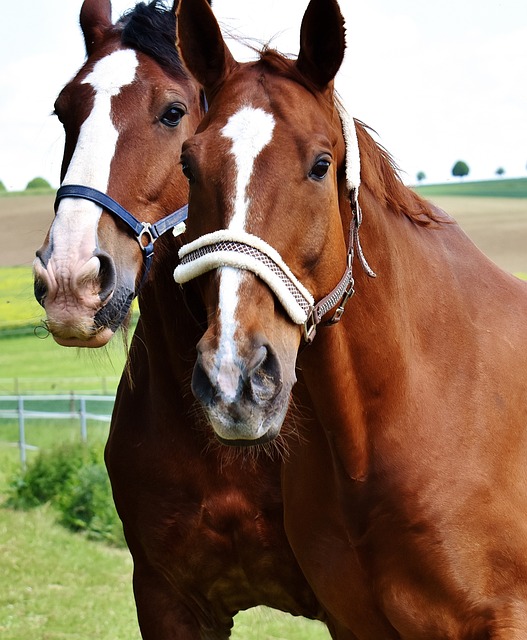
145 233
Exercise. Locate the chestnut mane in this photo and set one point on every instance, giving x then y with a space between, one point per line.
379 173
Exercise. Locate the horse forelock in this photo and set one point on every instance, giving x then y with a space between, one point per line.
151 29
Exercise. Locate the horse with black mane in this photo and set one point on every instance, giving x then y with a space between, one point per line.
405 496
205 530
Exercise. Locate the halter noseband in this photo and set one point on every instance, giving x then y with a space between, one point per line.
145 233
241 250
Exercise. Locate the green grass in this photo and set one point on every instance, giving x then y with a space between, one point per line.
18 307
57 585
510 188
28 363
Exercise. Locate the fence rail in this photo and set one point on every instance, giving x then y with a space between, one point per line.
104 385
62 407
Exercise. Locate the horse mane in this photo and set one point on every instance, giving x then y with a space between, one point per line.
379 172
151 29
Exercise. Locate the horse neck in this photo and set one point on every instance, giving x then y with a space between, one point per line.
359 365
169 328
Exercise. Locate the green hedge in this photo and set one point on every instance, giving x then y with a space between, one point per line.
73 478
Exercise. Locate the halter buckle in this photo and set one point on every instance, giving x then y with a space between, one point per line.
348 293
310 326
146 233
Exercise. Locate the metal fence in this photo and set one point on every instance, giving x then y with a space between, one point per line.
103 385
54 407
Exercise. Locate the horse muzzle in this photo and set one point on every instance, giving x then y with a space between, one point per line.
83 300
245 400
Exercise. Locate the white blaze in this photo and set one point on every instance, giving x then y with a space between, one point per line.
76 221
250 130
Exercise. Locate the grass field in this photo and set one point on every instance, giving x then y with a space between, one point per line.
18 308
58 585
511 188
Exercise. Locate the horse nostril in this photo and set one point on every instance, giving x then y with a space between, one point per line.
40 279
201 385
107 275
40 289
264 375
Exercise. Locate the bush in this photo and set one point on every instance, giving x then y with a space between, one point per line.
2 187
87 505
47 476
73 479
38 183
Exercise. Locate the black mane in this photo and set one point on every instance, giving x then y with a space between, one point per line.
151 29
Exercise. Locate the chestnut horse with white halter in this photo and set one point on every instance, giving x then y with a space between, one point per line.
405 497
206 533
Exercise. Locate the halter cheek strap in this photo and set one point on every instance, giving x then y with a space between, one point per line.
145 233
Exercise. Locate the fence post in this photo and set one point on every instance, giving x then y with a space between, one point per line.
84 431
22 433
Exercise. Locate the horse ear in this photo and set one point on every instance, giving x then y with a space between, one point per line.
95 18
176 3
200 44
322 42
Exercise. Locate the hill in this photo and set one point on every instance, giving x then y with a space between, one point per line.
502 188
493 213
25 220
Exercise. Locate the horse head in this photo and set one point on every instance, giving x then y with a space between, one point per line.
268 196
131 98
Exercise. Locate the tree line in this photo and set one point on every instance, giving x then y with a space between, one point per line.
459 170
32 185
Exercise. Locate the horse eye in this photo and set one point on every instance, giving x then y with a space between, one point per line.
172 116
319 169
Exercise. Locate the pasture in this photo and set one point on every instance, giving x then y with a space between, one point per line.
57 584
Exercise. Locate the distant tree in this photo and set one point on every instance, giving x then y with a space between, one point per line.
500 171
38 183
421 176
2 187
460 169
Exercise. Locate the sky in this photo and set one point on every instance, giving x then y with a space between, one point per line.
438 81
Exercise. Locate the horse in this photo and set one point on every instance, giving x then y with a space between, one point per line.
206 536
329 282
